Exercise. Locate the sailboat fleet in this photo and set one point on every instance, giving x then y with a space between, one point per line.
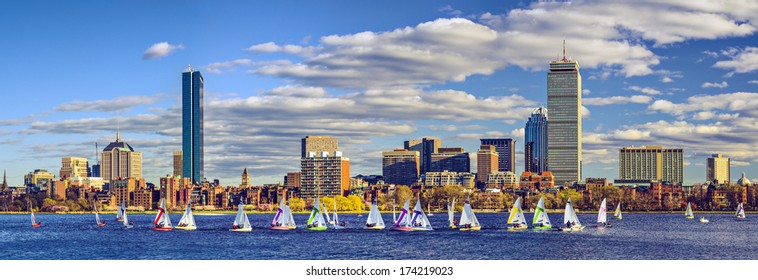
415 220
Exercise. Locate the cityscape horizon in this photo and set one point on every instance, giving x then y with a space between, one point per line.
644 94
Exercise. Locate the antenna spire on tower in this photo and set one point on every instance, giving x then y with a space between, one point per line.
564 49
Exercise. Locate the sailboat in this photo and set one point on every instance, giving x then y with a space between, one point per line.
374 220
394 218
570 219
329 220
451 215
97 217
187 222
162 221
419 221
337 224
704 220
120 212
283 219
429 209
316 220
35 223
125 220
516 220
602 215
468 219
241 222
740 212
688 214
403 223
617 213
541 220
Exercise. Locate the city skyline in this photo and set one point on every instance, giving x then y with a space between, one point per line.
399 71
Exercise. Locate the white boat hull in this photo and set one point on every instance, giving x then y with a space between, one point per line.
572 229
186 227
241 229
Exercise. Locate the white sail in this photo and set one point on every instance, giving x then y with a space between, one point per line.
689 211
326 213
120 212
290 219
467 216
451 213
540 215
374 217
405 218
517 214
740 211
602 213
336 220
617 213
162 217
419 217
97 217
241 220
316 218
126 220
570 216
187 220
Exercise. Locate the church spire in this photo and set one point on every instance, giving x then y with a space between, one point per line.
5 180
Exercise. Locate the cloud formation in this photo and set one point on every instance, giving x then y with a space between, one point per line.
722 84
743 61
640 99
119 104
161 49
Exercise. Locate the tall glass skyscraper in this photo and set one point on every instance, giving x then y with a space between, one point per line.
535 138
564 102
192 125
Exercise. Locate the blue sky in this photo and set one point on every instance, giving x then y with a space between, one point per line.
372 73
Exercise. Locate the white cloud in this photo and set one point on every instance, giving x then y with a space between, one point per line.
161 49
744 102
666 80
645 90
755 82
586 91
447 9
641 99
121 103
723 84
743 61
298 91
271 47
219 67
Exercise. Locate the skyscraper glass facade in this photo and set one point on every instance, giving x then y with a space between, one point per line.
192 125
535 138
564 102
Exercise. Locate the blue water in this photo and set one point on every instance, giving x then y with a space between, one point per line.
638 236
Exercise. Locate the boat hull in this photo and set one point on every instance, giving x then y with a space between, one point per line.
452 227
572 229
401 228
128 227
101 224
186 227
339 227
280 227
36 225
321 228
375 227
241 229
162 228
517 228
421 229
474 228
543 228
690 217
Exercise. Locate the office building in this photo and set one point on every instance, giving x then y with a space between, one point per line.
401 167
652 163
119 160
486 163
505 147
177 163
450 159
192 125
717 169
564 102
465 180
318 144
535 142
38 178
426 147
73 167
324 174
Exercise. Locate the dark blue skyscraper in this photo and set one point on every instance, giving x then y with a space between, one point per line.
192 125
535 142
